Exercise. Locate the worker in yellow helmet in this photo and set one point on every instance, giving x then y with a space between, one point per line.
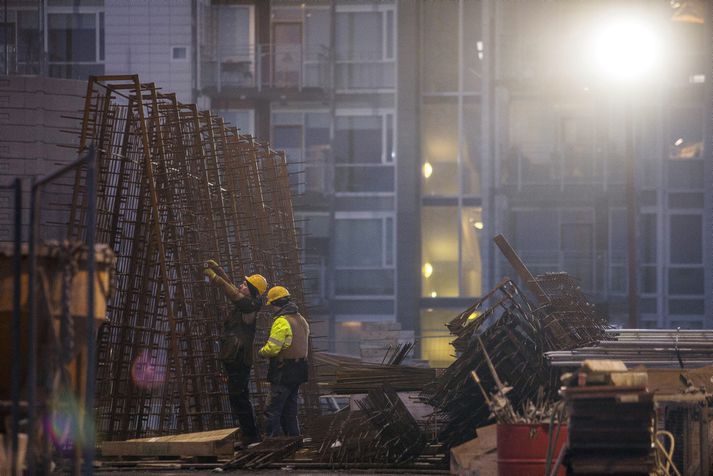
287 348
236 343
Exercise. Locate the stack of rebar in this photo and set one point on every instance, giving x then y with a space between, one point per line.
505 328
653 348
176 187
383 432
345 375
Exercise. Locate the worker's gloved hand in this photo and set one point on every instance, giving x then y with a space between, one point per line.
210 274
211 264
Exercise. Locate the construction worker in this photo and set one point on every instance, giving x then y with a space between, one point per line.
287 349
236 343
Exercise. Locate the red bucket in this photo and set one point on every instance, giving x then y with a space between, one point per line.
522 449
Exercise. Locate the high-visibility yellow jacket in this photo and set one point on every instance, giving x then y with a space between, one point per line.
280 338
289 335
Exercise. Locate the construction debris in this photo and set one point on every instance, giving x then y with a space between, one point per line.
264 454
383 432
514 334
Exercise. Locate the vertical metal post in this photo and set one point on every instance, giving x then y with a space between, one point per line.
89 396
32 335
15 344
7 51
631 217
331 174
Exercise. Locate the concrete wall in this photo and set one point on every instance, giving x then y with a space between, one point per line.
140 37
36 115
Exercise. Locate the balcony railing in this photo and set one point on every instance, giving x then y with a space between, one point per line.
266 66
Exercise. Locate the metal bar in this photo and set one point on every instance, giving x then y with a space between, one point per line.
16 319
89 433
521 269
32 335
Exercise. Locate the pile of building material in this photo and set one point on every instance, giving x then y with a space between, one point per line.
611 422
653 348
515 334
378 338
176 187
382 433
346 375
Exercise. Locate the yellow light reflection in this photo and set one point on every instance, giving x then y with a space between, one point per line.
427 270
427 169
351 324
474 315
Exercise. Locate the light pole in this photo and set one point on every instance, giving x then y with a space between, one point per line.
625 50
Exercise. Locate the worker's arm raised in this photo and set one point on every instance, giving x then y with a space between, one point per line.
224 283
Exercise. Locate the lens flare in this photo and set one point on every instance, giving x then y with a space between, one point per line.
62 422
149 369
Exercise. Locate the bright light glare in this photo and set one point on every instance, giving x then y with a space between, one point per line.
427 270
625 49
427 169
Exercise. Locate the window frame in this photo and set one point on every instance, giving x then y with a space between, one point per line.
99 14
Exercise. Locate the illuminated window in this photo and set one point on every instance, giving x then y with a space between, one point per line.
435 339
439 248
471 275
439 145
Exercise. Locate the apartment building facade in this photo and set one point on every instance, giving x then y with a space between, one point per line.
416 131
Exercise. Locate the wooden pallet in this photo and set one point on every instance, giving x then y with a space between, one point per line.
218 443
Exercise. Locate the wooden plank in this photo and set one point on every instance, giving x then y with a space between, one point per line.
205 443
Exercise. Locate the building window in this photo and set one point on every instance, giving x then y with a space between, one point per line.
439 251
228 47
439 146
686 244
435 339
364 153
313 233
304 136
179 53
243 119
75 44
364 255
470 257
365 48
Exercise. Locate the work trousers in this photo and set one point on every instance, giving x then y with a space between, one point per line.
281 411
239 396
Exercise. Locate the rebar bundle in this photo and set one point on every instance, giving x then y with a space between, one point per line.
176 187
653 348
344 375
383 432
504 334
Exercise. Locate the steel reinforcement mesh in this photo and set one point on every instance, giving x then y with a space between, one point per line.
176 187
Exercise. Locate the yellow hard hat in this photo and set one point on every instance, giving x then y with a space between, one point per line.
277 292
258 282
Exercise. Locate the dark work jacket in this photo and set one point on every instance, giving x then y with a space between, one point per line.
236 342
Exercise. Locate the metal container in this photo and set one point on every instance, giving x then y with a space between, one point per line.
522 448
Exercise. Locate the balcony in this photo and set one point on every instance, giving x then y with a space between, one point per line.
270 67
265 66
